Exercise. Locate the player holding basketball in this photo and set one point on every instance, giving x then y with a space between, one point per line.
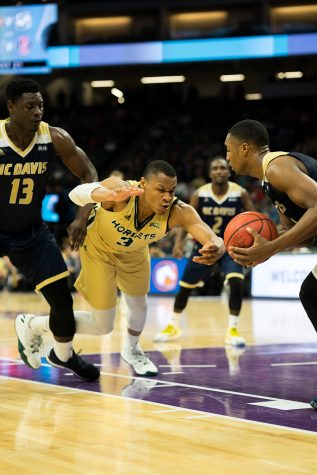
290 181
216 203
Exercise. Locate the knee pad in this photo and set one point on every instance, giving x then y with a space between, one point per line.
103 321
308 297
137 311
59 298
96 322
181 299
235 295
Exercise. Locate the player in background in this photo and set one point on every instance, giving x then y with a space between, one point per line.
216 203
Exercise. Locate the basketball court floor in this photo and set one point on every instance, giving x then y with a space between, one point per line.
210 410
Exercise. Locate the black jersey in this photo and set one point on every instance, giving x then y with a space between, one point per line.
217 212
23 178
280 200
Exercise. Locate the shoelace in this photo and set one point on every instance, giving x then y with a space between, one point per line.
36 343
77 360
142 358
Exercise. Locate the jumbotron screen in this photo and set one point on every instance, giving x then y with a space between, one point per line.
23 38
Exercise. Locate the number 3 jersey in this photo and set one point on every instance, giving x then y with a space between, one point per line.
121 231
218 211
23 178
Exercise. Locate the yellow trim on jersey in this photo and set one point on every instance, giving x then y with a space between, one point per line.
51 279
42 131
234 274
205 191
267 159
191 286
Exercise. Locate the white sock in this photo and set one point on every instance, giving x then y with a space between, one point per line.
64 350
40 325
175 319
233 321
131 340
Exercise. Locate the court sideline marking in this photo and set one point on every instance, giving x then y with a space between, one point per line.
219 416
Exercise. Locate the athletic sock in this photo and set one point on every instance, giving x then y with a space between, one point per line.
63 350
131 340
233 321
175 319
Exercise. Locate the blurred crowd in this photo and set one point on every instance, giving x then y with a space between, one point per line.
172 123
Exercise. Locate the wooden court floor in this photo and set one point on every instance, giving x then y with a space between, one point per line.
210 410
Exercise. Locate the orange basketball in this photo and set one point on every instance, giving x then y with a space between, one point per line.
237 235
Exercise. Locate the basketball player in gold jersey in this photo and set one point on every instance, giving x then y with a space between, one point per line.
116 249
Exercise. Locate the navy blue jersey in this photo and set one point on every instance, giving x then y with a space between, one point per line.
279 199
23 178
217 212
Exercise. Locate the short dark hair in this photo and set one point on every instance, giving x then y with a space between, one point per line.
217 157
19 86
250 131
159 166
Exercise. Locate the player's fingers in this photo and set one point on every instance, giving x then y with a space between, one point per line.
252 232
239 251
210 250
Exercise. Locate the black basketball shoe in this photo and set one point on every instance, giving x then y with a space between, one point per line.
76 364
313 403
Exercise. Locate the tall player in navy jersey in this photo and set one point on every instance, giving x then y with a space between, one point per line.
28 148
217 203
290 181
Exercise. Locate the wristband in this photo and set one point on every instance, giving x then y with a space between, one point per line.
81 195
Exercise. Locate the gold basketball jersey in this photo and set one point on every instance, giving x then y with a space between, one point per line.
121 231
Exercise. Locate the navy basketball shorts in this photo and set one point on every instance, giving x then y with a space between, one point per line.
35 253
195 274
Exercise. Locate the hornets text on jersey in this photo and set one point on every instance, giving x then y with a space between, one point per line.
120 231
280 200
218 211
23 178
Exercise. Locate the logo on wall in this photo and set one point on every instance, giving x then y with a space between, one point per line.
165 275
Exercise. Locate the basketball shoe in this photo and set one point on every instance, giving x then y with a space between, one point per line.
170 332
139 388
141 364
29 343
76 364
313 403
233 337
233 354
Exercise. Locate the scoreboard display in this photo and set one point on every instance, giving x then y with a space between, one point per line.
23 38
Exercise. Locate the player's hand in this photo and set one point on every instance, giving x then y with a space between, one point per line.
77 232
117 194
260 251
178 251
210 252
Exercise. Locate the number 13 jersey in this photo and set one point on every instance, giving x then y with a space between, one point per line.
23 178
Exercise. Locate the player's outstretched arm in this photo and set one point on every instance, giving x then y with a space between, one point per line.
110 190
187 217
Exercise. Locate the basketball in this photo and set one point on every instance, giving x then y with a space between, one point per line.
237 235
